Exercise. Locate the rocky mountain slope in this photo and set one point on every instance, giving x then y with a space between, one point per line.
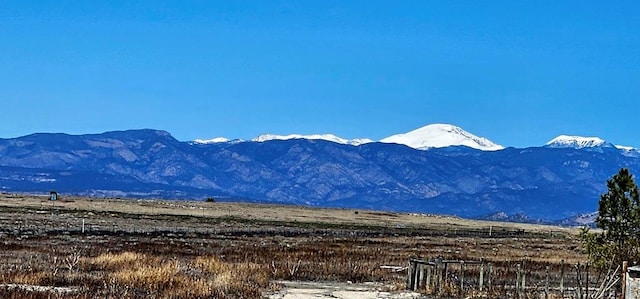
539 182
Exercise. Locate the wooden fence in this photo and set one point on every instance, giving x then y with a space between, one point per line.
518 279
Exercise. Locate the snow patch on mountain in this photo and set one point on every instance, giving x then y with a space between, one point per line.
564 141
327 137
626 148
629 151
442 135
214 140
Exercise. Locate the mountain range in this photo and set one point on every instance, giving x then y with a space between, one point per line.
430 136
434 169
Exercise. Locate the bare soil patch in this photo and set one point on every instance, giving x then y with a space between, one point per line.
308 290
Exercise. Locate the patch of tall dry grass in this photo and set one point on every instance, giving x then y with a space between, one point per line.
136 275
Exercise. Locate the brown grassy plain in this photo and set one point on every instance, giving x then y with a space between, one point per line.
187 249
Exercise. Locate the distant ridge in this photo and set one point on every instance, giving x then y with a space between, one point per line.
327 137
435 136
578 142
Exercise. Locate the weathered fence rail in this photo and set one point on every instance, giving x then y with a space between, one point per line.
518 279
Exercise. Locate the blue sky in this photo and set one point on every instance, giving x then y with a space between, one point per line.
516 72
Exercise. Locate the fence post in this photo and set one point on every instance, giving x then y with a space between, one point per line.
419 275
625 264
446 273
416 276
414 272
562 279
461 277
480 279
439 272
410 275
579 280
587 281
523 282
489 274
546 283
518 277
428 282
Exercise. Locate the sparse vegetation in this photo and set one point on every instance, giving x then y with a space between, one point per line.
163 249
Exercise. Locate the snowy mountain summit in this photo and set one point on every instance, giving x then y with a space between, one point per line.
327 137
564 141
213 140
442 135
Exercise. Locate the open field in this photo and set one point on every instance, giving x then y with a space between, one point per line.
185 249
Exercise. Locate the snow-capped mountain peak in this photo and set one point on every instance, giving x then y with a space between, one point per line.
327 137
442 135
578 142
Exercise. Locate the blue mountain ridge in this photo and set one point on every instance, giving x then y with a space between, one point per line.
538 182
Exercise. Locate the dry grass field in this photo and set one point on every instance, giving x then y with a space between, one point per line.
187 249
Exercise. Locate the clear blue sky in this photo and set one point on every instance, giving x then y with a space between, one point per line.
516 72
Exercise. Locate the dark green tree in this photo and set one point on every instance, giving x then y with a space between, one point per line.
619 219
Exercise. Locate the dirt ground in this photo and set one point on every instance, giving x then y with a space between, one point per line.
309 290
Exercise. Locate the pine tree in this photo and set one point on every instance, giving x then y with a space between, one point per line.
619 219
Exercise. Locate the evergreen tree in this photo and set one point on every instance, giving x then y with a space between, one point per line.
619 219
